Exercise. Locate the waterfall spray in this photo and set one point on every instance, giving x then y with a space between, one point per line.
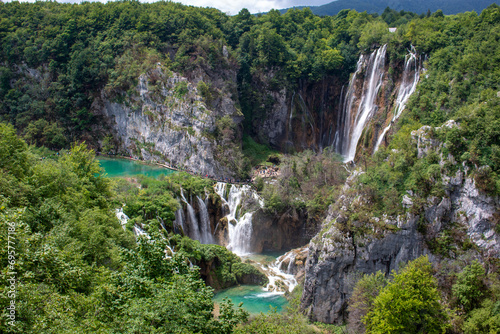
194 230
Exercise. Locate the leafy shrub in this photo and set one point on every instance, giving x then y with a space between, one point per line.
409 303
470 288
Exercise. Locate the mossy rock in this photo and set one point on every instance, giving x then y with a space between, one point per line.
248 274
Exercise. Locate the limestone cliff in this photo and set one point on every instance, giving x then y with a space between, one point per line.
299 118
168 120
337 258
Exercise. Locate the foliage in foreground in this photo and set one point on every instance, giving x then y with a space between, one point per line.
457 298
291 321
409 303
76 269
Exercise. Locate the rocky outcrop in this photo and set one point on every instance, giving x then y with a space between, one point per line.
302 118
289 230
168 120
337 258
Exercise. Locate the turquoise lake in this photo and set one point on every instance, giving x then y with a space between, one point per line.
254 299
125 167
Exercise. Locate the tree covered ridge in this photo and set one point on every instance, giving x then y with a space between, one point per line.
378 6
57 58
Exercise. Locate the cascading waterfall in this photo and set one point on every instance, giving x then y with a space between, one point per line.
179 221
367 105
279 277
138 231
206 233
194 231
341 142
352 125
122 217
239 227
411 75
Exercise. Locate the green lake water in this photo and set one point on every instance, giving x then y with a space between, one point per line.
254 298
124 167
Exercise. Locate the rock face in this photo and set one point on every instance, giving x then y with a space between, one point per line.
337 259
168 120
275 233
299 119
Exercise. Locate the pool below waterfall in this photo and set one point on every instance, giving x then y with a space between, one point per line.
254 298
123 167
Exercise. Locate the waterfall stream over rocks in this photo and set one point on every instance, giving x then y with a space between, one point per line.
411 75
123 218
365 96
280 275
239 223
239 203
355 122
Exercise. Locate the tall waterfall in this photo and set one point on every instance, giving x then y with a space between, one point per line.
205 231
411 75
353 123
193 230
239 226
341 141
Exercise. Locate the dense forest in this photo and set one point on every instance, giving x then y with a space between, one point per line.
77 270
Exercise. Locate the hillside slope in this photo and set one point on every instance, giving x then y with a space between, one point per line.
377 6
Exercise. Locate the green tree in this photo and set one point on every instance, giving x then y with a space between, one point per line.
408 304
470 288
14 158
363 295
485 319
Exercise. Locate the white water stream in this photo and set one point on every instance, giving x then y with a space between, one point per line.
123 218
367 107
239 226
411 75
206 233
281 279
